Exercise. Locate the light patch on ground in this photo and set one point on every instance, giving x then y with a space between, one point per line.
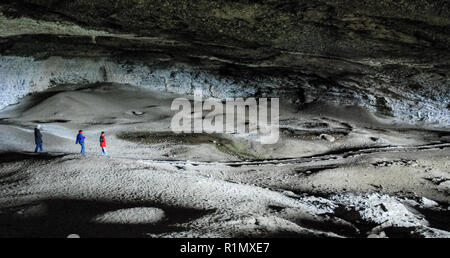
139 215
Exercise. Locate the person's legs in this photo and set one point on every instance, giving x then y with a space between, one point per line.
38 148
104 153
82 148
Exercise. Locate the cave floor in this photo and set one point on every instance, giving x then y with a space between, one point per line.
336 172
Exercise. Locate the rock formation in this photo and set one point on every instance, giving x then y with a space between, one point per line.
390 56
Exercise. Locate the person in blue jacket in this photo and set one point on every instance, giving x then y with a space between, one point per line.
80 140
38 139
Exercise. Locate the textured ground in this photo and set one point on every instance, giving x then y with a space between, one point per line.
336 172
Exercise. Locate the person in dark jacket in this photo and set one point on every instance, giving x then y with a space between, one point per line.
103 144
80 140
38 139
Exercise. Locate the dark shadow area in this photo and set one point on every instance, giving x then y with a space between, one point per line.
7 157
396 232
354 217
311 170
35 99
334 223
313 133
61 218
331 226
290 234
11 177
51 121
439 219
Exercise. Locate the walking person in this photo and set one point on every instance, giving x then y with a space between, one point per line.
80 140
103 144
38 139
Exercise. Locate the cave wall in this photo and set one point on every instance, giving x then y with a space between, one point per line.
24 75
389 56
344 28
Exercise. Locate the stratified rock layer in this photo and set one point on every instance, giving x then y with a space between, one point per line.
390 56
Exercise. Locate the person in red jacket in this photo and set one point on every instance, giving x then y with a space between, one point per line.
103 144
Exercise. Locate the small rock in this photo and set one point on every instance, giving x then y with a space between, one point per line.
138 113
427 203
327 137
383 207
252 221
